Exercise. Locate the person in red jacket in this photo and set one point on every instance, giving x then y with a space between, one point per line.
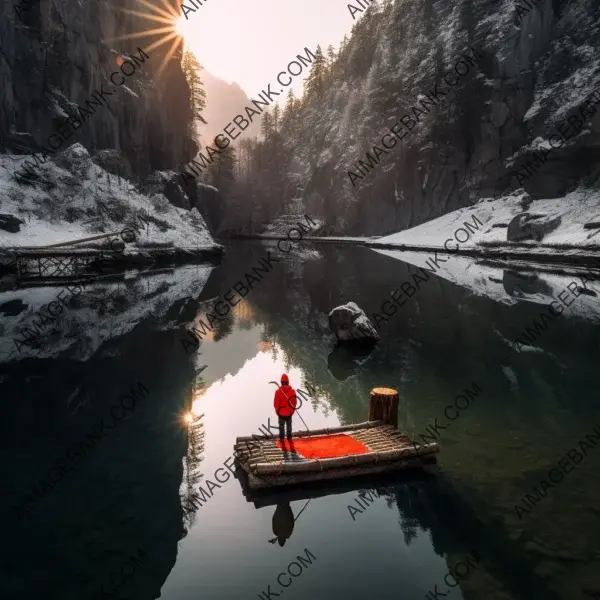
285 405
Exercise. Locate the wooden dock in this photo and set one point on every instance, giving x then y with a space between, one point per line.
372 447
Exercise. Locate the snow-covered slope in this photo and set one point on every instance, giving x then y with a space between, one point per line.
78 199
574 210
294 214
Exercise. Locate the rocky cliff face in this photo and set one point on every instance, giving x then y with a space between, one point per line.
57 54
535 66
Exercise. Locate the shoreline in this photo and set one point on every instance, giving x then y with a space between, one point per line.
101 263
114 263
523 253
533 254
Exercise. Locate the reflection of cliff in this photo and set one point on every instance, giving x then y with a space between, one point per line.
99 315
457 528
123 497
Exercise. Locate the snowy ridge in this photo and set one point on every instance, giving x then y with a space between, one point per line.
575 210
79 200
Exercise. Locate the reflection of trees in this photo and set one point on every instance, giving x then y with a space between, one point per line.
264 345
191 469
416 512
460 524
244 315
223 327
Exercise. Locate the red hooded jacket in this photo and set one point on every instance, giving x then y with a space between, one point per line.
285 401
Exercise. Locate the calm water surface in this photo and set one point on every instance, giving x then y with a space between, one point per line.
114 526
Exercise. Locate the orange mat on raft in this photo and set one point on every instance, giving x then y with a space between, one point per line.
331 446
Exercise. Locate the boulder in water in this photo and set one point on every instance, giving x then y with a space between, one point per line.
350 323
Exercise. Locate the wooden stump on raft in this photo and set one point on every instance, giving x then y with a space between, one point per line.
383 406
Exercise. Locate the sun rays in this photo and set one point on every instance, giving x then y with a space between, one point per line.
166 15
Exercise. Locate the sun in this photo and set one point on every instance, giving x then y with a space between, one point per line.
171 29
182 27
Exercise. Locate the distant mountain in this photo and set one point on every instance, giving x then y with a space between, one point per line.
224 101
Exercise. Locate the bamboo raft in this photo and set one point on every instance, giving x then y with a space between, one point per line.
384 449
306 490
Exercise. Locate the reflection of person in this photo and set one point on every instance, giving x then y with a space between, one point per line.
283 522
285 405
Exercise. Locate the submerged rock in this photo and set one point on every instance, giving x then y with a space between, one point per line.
349 322
345 360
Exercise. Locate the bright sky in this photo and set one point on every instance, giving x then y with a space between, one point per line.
251 41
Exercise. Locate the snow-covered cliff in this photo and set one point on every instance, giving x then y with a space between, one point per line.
74 198
538 67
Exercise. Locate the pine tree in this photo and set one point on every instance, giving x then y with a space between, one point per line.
315 82
191 69
276 118
266 126
331 57
246 149
290 111
290 105
222 169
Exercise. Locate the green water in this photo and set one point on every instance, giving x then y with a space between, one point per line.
114 526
